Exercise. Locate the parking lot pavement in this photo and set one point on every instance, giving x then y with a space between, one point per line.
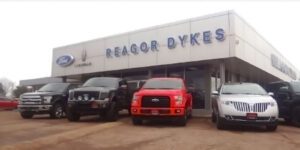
93 133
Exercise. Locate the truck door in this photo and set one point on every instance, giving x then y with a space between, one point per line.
284 100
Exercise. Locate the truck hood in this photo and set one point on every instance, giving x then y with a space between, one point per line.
160 92
42 93
247 98
102 89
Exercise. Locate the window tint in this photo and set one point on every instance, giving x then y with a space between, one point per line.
102 82
296 86
254 89
54 87
163 84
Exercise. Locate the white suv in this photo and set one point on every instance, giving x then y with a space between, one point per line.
244 103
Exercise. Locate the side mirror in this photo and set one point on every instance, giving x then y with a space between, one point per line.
215 93
271 94
283 96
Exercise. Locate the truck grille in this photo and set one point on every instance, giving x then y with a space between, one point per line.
156 101
245 107
86 95
260 107
31 99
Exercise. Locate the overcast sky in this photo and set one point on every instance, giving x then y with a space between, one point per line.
30 30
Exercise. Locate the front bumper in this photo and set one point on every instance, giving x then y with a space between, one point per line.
35 108
242 120
87 107
159 112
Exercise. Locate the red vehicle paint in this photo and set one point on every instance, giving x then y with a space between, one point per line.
162 98
6 103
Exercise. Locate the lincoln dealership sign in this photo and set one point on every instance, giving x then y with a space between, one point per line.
193 39
281 66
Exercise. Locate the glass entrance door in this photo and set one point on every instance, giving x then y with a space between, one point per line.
195 81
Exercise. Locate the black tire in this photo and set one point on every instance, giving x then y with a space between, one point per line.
271 127
137 121
73 117
183 119
57 111
213 117
190 115
296 116
219 123
129 111
27 115
112 113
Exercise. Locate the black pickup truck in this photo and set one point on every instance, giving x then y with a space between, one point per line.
103 96
287 95
50 99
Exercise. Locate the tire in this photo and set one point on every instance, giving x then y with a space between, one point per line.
219 123
27 115
57 111
213 117
112 113
137 121
190 115
271 127
296 116
73 117
183 120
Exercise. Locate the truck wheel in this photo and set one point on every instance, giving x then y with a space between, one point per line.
129 111
213 117
57 111
112 112
73 116
26 115
219 122
271 127
183 120
137 121
296 116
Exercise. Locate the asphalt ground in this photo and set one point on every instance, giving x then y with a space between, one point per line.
91 133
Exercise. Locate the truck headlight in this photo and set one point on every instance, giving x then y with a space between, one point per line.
47 99
178 99
135 99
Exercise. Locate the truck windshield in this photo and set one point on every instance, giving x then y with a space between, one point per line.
54 87
163 84
251 89
296 86
101 82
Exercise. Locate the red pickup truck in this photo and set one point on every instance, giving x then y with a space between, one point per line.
162 97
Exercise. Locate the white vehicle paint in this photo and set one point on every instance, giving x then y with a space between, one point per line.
244 103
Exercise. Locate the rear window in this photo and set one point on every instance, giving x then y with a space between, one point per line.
163 84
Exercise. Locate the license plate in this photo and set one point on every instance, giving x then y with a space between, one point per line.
154 112
29 102
251 116
95 105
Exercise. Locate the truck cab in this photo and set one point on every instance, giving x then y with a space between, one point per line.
104 96
49 99
162 98
287 95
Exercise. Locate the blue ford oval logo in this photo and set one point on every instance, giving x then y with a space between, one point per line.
65 60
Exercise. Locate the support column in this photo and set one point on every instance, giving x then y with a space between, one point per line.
222 72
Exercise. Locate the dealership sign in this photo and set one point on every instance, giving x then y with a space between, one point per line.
65 60
281 66
172 43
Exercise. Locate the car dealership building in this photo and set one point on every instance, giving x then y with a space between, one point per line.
205 51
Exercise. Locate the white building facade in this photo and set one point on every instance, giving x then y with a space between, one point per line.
205 51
